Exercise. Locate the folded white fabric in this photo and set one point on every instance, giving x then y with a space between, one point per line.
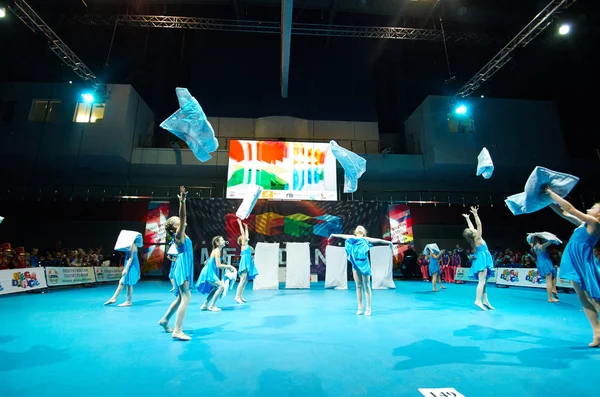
547 236
126 240
229 278
534 198
433 247
250 199
485 166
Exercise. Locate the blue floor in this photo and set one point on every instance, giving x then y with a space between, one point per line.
306 343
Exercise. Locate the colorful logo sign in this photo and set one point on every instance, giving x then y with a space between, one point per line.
24 280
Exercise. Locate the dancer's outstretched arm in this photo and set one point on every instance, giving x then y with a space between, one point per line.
344 236
179 235
571 210
477 222
565 215
469 223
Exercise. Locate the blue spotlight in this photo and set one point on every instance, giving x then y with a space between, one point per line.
87 97
461 109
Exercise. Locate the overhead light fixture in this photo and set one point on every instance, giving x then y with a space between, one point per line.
87 97
2 12
564 29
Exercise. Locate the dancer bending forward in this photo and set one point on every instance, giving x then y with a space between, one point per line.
182 272
482 267
131 275
209 281
578 263
545 266
357 250
247 269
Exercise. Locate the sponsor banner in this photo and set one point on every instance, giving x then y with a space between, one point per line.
462 274
57 276
526 277
19 280
105 273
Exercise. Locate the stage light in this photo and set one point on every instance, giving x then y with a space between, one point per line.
87 97
2 12
564 29
460 109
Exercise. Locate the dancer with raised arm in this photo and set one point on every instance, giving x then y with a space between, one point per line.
247 270
482 267
183 270
210 281
357 249
545 266
578 263
131 275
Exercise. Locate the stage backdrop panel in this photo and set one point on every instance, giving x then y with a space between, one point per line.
298 265
336 273
266 259
281 221
382 268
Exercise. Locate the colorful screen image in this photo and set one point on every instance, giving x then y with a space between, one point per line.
285 170
400 224
153 257
158 213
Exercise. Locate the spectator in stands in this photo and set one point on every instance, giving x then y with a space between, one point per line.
33 257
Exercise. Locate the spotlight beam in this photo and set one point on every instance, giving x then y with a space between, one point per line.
524 37
37 25
287 10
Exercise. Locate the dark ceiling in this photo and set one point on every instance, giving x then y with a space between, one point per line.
370 79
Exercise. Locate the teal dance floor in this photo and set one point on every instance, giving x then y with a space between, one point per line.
306 343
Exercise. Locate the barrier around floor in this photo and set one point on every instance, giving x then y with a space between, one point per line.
525 277
107 274
59 276
462 274
20 280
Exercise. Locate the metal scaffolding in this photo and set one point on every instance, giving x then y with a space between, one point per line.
524 37
226 25
33 21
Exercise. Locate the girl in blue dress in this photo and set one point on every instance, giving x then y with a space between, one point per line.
357 250
130 277
434 270
247 270
209 281
578 263
482 266
545 266
183 270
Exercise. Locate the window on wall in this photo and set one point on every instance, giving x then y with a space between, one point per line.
89 112
43 110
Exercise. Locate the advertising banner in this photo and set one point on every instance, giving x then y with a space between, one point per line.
105 274
19 280
525 277
462 274
57 276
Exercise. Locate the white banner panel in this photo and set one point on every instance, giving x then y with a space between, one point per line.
526 277
266 259
382 276
336 269
462 274
105 273
57 276
19 280
297 265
